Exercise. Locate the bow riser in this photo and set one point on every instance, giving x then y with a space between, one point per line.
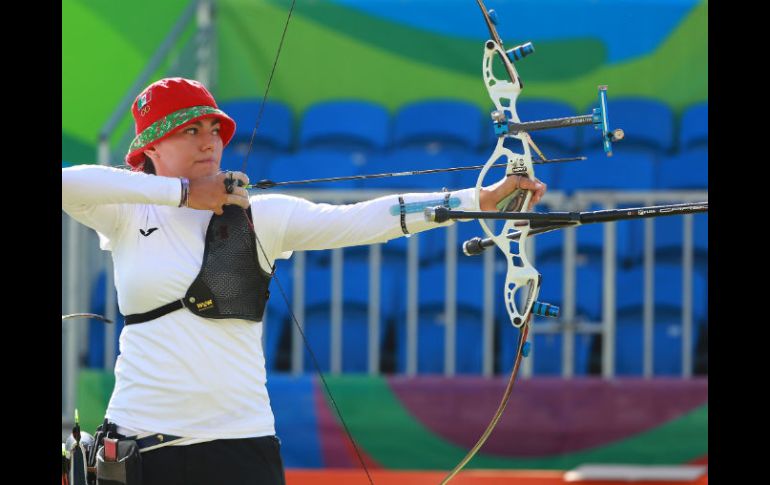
521 275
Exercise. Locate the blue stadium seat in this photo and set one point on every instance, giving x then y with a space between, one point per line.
256 166
410 159
549 247
431 256
648 125
588 287
275 127
355 294
622 171
591 246
273 138
667 288
550 173
469 283
355 328
355 279
546 350
431 338
345 125
686 170
667 342
443 123
694 130
431 300
669 239
467 178
317 294
315 164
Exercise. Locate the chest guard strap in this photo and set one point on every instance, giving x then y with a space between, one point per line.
231 283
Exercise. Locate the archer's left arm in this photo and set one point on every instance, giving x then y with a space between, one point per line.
311 226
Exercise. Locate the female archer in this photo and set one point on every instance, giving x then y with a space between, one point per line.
193 256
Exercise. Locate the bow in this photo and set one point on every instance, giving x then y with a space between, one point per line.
522 283
521 275
513 149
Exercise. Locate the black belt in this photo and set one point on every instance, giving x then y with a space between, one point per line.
153 314
153 440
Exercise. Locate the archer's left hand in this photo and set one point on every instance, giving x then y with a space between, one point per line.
492 195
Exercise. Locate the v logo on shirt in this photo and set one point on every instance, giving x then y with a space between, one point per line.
149 231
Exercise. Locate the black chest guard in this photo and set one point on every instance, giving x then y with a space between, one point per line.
230 284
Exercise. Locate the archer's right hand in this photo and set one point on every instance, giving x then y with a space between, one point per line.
211 192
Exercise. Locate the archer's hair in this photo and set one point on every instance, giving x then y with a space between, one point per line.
148 166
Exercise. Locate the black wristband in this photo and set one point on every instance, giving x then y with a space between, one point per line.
402 207
185 197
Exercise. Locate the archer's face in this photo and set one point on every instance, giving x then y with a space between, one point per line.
194 151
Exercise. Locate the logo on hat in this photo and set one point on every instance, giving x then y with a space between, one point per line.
141 105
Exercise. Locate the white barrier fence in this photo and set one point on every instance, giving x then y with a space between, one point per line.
82 261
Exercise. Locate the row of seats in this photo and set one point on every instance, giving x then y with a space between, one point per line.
469 356
358 137
363 125
667 288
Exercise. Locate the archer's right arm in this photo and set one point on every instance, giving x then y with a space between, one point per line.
94 195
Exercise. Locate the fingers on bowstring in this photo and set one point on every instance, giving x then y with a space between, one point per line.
240 178
233 180
238 198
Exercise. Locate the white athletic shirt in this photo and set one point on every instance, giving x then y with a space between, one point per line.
182 374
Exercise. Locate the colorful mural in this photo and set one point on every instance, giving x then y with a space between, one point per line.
391 53
430 422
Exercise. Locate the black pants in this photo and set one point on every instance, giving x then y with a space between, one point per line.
246 461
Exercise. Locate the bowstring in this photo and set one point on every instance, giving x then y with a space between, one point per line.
272 266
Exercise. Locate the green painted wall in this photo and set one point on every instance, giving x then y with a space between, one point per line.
333 52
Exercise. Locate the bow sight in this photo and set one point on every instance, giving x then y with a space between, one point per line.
598 118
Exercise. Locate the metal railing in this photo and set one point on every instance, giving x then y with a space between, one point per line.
568 325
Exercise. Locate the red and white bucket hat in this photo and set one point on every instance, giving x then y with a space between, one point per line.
168 105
